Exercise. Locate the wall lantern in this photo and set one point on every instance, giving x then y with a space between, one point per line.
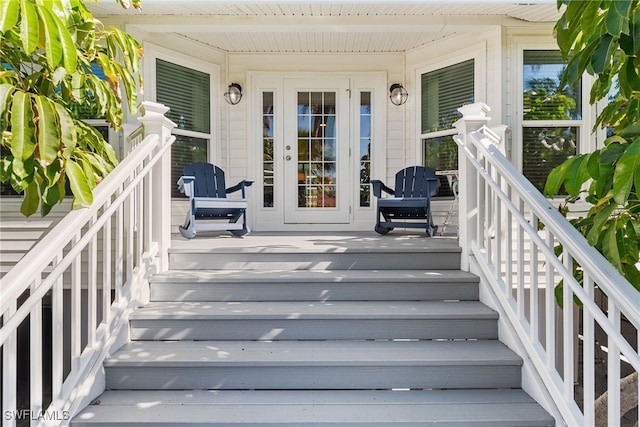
398 94
234 94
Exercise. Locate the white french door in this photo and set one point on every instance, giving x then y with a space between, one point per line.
317 184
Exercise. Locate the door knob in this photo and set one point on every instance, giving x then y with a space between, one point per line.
288 158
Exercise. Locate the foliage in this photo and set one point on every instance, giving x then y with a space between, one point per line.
603 38
47 80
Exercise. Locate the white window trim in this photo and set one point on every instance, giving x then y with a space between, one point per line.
153 52
586 140
478 53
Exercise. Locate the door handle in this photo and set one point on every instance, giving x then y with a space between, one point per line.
287 158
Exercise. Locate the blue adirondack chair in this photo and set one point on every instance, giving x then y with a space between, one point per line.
410 206
204 184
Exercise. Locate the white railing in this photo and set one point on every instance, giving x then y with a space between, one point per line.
65 304
522 247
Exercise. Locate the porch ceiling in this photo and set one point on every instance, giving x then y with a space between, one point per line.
349 26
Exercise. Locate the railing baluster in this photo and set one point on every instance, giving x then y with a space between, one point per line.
92 289
588 357
76 307
129 234
613 370
533 286
9 372
35 358
119 255
509 251
567 332
57 335
520 264
550 310
106 267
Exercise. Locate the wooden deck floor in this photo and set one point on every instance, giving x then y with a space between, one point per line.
445 215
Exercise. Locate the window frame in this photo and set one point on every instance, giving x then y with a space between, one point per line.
477 53
151 54
585 140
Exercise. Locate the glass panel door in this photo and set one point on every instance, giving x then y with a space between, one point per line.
316 151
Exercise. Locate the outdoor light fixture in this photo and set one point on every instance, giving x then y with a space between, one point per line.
234 94
398 94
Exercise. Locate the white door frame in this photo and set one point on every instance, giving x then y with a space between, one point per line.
273 218
338 124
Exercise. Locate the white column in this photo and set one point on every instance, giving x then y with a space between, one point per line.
474 117
154 122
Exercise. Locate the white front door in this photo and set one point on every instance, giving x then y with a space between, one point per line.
317 183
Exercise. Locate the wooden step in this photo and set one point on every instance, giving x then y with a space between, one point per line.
490 408
309 285
289 254
312 320
290 365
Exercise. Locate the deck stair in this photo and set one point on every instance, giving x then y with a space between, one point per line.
312 331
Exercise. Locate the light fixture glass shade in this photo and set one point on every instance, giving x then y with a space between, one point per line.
398 94
234 94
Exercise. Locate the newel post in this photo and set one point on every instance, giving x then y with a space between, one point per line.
154 122
474 117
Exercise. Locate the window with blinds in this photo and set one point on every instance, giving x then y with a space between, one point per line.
443 91
551 115
187 94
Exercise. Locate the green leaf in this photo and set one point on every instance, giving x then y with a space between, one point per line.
599 220
617 21
632 274
79 185
31 200
22 127
48 134
556 177
6 91
593 164
8 15
627 167
69 50
29 26
610 246
68 135
602 54
577 174
630 131
612 153
53 44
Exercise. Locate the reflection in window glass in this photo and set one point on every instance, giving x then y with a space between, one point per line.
267 150
185 150
317 149
546 143
543 98
545 148
365 149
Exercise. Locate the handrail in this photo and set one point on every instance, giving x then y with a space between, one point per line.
26 270
92 269
511 236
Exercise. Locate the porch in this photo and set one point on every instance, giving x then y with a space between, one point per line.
117 242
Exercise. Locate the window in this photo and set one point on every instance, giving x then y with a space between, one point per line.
267 150
365 149
443 92
552 115
187 94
